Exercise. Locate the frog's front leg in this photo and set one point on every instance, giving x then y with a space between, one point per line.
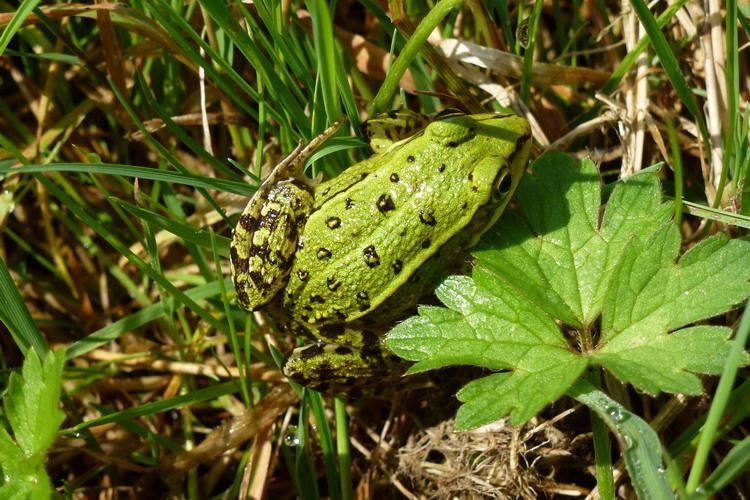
265 241
338 367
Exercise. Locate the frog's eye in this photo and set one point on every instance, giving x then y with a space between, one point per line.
506 182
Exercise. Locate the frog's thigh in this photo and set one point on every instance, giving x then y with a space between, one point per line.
337 368
265 241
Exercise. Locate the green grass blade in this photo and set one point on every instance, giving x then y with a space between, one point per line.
152 174
15 24
326 444
719 403
184 231
735 463
16 317
639 443
194 397
409 53
528 56
129 323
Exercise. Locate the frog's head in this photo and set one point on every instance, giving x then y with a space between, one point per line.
495 147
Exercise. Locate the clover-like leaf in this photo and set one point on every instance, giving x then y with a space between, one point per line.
560 284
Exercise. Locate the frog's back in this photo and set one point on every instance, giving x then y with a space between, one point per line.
366 241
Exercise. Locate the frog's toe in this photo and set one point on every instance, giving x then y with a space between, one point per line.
338 368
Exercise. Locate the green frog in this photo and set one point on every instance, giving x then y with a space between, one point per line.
340 261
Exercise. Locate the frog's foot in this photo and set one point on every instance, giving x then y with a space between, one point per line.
342 369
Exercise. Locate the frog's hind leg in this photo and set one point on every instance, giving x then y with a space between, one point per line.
265 241
341 369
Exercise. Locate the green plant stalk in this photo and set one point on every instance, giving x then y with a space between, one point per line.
603 453
326 443
721 397
236 350
410 52
325 50
605 481
342 448
733 90
528 55
677 169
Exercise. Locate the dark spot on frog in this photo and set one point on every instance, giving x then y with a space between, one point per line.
349 204
464 206
324 253
304 317
308 308
342 350
364 174
242 295
426 217
385 203
326 191
393 114
394 177
474 188
402 233
310 351
340 315
332 283
256 277
410 159
269 217
471 176
317 299
452 144
240 265
372 259
333 222
325 370
363 295
293 233
441 168
426 243
397 266
247 222
370 346
303 275
369 338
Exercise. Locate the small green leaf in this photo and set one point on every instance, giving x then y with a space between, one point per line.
561 283
32 408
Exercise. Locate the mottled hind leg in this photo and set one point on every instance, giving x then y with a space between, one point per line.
342 369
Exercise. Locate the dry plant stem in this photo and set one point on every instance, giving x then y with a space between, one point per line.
232 433
258 469
713 102
641 104
506 97
258 371
511 65
584 129
633 130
